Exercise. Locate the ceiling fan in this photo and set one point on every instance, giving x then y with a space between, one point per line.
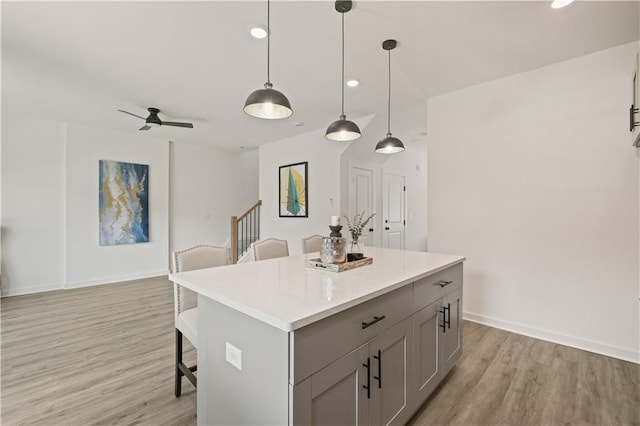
154 121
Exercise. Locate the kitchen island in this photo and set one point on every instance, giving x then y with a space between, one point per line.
280 343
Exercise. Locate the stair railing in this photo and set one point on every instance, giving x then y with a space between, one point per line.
244 231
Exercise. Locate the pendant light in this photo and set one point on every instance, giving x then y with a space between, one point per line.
343 129
389 145
268 103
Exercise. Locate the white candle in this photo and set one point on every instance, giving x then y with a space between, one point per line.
335 220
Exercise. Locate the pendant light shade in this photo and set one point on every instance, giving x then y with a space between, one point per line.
268 103
343 129
390 144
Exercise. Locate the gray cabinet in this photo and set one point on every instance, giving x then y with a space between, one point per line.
368 386
335 394
427 366
437 330
390 356
451 336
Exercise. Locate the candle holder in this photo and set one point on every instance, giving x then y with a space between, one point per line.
335 231
333 250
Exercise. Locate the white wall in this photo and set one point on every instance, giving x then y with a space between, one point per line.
209 186
323 186
538 187
87 261
50 203
33 204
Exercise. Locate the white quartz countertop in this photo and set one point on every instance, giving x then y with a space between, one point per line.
285 294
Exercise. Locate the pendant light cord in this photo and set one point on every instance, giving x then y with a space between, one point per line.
342 63
389 98
268 41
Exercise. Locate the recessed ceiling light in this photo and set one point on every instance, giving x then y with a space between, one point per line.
258 31
353 83
557 4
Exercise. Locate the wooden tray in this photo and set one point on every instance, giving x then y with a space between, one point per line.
338 267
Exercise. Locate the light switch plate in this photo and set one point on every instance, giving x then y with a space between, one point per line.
233 356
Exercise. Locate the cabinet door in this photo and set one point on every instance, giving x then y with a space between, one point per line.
390 357
426 350
335 394
452 336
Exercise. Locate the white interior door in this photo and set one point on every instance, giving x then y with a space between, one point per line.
361 199
393 210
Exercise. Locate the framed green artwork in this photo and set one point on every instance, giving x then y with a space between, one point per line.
293 190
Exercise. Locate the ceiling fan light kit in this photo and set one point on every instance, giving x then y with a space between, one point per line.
342 129
390 144
154 121
268 103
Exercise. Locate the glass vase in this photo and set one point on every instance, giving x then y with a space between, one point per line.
355 247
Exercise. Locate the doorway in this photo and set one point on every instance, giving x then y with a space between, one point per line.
361 199
394 222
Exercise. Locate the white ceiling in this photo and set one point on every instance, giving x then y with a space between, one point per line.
80 61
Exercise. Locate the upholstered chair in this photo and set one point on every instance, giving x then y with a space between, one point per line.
269 249
311 244
186 302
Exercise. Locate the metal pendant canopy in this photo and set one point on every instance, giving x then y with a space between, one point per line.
390 144
268 103
343 129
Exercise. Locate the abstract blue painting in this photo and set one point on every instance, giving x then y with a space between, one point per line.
123 202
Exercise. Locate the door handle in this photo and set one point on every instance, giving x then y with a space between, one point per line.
386 228
444 319
443 283
368 385
370 229
375 320
379 376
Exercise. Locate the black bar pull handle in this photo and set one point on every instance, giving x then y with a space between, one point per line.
370 323
368 386
448 308
443 283
379 376
444 319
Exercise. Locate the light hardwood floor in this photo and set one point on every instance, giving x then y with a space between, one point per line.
104 355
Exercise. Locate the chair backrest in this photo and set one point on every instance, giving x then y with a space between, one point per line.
198 257
311 244
269 249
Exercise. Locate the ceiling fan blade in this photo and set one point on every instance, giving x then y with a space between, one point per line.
145 127
173 123
130 113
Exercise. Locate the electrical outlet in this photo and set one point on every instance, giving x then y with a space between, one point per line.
233 356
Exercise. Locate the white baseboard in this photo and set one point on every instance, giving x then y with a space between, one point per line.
624 354
115 279
79 284
33 289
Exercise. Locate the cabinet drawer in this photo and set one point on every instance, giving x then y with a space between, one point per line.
430 289
319 344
